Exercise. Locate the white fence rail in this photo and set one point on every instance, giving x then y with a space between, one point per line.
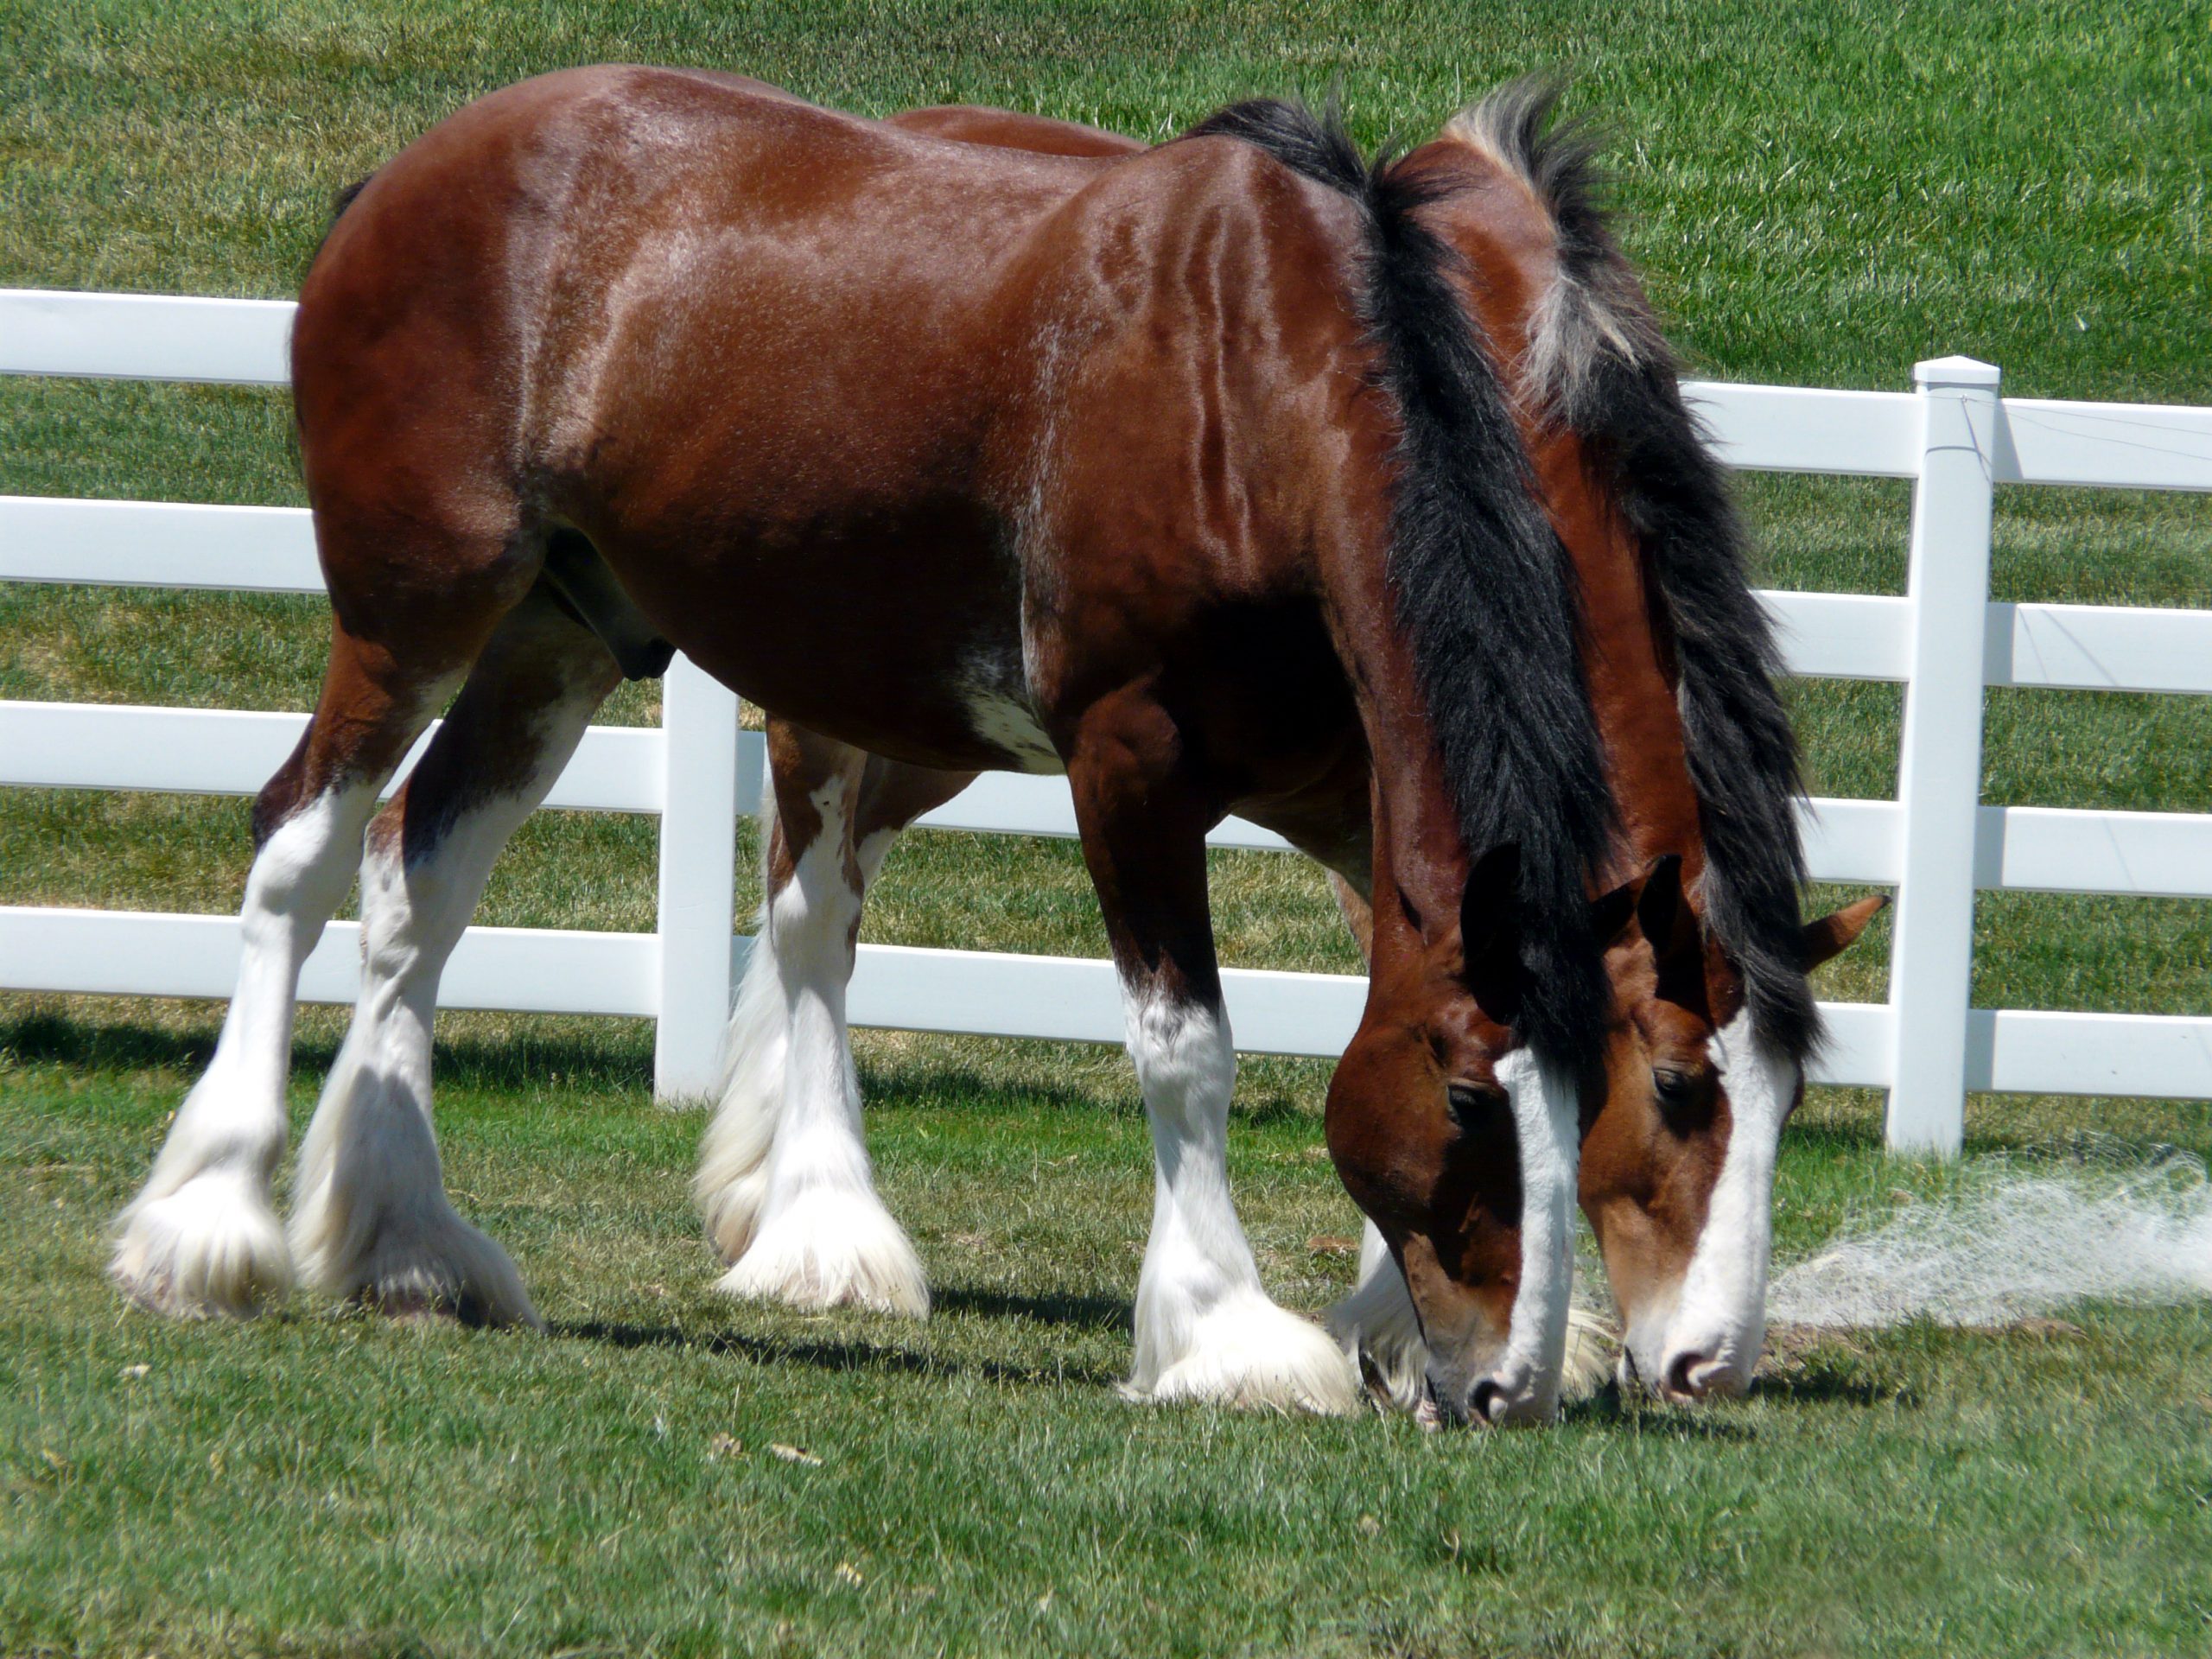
1937 844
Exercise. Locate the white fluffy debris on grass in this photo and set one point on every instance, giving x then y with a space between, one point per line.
2014 1238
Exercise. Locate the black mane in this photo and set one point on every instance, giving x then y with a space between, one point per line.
1484 591
1606 370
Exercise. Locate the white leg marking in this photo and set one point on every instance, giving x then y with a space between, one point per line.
732 1183
732 1179
821 1235
371 1216
1719 1319
201 1237
1528 1373
1204 1328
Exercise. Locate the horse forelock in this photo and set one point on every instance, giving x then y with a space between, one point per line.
1486 594
1598 363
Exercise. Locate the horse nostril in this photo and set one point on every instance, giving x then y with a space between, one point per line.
1682 1381
1487 1401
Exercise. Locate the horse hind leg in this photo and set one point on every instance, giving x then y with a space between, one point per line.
201 1237
732 1184
372 1219
814 1233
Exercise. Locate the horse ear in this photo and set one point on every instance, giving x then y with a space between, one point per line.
1664 917
1660 910
1490 932
1609 915
1832 933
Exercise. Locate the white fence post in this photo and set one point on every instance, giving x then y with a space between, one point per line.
698 869
1939 765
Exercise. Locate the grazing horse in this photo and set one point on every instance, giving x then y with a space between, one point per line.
1187 473
1710 1025
1712 1020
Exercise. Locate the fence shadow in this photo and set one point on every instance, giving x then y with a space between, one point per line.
40 1035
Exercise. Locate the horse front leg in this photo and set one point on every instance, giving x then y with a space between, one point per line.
1205 1329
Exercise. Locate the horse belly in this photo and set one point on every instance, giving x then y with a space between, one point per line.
894 643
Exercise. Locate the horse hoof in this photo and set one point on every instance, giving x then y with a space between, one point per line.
832 1248
212 1249
1253 1355
444 1270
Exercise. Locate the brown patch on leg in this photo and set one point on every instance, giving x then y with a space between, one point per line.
894 794
363 724
492 745
801 764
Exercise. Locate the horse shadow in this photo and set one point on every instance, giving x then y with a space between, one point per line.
856 1353
1066 1309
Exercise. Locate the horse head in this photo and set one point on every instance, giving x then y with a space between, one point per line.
1457 1141
1678 1161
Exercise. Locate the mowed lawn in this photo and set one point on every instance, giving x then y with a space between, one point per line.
1818 199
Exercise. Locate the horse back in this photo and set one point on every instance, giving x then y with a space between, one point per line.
880 391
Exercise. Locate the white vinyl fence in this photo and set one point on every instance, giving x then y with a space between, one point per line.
1936 843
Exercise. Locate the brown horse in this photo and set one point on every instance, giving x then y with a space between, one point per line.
1186 473
1564 315
1712 1019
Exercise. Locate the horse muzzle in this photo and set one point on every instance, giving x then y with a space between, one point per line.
1511 1393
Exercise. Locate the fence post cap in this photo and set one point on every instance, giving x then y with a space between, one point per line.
1956 371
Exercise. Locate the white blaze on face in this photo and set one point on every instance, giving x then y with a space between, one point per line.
1718 1321
1527 1374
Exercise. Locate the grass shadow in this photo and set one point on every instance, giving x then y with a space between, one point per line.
1610 1408
1276 1106
924 1083
1832 1386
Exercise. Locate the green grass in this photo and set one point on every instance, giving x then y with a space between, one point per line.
323 1482
1819 198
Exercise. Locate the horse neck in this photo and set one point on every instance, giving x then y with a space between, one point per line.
1510 246
1628 660
1419 859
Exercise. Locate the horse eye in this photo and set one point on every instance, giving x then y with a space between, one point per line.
1470 1104
1677 1090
